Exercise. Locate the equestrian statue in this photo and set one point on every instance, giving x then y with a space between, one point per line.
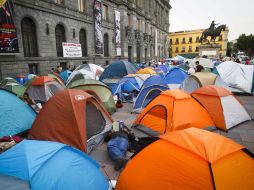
213 32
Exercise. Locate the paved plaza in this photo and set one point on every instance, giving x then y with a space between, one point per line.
242 134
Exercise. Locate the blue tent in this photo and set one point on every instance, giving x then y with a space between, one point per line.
151 88
118 70
15 115
127 85
175 76
163 68
51 165
65 75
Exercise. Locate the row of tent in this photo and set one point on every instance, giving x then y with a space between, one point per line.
209 106
70 124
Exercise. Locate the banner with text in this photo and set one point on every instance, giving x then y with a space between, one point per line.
97 25
8 33
118 33
72 50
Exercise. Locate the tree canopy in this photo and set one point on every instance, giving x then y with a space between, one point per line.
246 43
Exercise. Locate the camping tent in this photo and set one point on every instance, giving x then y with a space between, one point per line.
65 75
43 88
172 110
151 88
7 80
72 117
87 71
184 66
15 87
15 115
225 110
57 78
98 89
175 77
238 76
189 159
51 165
118 70
199 79
147 70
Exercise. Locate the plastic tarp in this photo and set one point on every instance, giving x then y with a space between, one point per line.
52 165
15 115
239 77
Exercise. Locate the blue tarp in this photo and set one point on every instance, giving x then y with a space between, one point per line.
175 76
118 70
51 165
15 115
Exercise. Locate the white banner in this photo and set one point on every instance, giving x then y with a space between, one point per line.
118 33
71 50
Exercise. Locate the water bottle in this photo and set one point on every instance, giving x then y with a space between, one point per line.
121 124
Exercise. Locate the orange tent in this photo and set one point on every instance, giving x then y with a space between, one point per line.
72 117
146 71
189 159
39 81
171 110
226 111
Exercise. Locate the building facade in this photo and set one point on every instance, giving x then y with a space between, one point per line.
186 43
43 25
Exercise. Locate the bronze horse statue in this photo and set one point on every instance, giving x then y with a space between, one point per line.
214 34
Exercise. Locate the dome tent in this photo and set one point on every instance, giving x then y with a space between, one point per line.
72 117
189 159
172 110
225 110
51 165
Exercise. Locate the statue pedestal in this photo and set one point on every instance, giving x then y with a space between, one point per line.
211 51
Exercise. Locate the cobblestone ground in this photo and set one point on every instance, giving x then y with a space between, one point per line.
242 134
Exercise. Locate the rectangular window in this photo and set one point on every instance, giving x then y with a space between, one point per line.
60 2
177 41
63 65
33 68
197 49
183 49
197 39
190 40
105 12
183 41
171 41
81 5
177 49
190 48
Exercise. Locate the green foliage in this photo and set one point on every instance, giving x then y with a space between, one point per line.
246 44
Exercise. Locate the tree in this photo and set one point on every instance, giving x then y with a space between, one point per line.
246 44
229 49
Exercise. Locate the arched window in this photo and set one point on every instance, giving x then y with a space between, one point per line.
29 38
105 43
82 41
60 38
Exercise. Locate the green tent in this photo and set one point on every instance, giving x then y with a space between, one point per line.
15 88
7 80
96 88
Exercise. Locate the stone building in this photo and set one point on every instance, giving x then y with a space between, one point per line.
42 26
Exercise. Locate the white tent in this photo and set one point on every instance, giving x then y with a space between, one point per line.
87 71
239 77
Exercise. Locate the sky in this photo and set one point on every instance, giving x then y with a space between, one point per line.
198 14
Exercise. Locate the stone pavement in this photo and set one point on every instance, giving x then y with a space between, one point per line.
242 134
